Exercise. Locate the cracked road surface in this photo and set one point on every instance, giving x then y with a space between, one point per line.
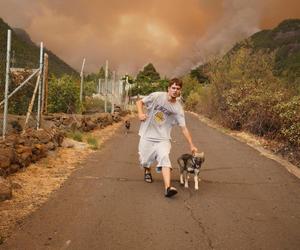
244 201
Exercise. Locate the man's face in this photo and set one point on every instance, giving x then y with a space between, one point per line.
174 91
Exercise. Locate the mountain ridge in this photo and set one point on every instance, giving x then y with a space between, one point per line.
25 53
283 41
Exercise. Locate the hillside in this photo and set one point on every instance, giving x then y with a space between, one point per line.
283 41
25 54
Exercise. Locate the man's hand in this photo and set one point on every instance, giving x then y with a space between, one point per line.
143 117
194 149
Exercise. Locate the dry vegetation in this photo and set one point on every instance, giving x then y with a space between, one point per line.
244 95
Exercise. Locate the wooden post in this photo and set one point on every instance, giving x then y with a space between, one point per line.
32 101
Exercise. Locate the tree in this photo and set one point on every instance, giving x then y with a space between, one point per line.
148 74
63 95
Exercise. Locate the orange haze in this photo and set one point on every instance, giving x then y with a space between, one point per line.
174 35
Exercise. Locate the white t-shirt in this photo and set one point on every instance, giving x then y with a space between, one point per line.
162 115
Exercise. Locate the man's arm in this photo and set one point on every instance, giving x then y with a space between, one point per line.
141 114
188 137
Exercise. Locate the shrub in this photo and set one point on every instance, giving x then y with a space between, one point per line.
93 142
63 95
94 105
244 94
289 114
75 135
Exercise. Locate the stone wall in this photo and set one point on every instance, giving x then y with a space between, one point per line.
20 149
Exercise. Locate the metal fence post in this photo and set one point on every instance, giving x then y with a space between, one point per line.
6 83
45 85
126 91
105 86
99 86
113 93
38 121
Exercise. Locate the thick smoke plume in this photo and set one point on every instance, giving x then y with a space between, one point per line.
174 35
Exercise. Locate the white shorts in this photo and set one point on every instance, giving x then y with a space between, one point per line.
151 151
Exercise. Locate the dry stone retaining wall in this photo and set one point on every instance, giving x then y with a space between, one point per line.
18 150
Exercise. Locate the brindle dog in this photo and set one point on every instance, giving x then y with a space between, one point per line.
190 164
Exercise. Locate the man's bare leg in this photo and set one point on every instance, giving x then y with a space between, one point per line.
169 191
166 172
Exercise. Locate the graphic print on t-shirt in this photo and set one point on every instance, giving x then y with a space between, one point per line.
159 117
161 114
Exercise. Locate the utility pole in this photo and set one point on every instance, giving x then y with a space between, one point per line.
81 82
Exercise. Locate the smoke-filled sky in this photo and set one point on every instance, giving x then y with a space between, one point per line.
175 35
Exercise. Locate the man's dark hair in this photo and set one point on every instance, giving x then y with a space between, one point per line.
175 81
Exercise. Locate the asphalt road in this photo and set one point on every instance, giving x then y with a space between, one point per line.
244 201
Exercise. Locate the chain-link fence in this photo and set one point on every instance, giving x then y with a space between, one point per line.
26 82
17 70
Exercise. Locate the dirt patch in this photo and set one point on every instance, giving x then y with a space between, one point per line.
33 186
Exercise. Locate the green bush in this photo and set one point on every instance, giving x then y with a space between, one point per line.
189 86
244 94
89 88
289 113
63 95
94 105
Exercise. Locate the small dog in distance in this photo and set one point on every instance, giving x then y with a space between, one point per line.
127 127
190 164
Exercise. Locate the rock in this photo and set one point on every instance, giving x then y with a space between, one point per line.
68 143
5 189
11 140
24 155
89 125
7 157
58 138
2 172
50 145
42 136
22 149
16 185
4 161
13 168
39 151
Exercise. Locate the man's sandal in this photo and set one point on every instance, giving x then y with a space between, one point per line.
170 191
148 177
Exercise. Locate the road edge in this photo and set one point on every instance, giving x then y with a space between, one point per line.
291 168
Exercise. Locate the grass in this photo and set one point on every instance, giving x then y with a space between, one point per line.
75 135
93 142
